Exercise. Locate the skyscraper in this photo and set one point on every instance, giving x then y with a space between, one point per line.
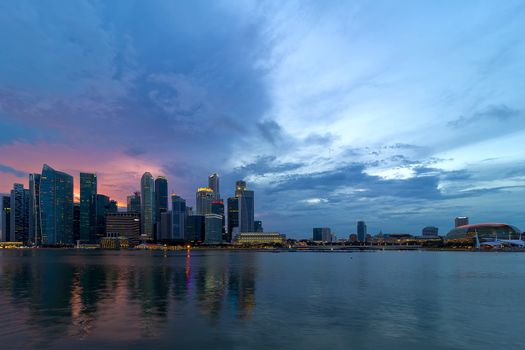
5 217
164 226
134 203
56 206
76 222
213 229
213 183
258 227
233 217
19 214
246 207
203 200
35 224
178 217
217 207
88 217
161 198
461 221
361 231
147 203
239 187
123 225
102 208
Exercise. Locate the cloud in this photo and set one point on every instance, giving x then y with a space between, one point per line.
499 113
11 170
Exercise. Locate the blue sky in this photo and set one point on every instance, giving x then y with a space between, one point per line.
402 114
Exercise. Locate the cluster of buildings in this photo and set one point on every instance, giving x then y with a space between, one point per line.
47 215
463 234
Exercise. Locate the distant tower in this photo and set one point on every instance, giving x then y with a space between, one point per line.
35 223
246 207
361 231
147 201
233 217
258 227
213 231
133 205
88 195
204 197
5 217
161 199
178 217
56 206
217 207
461 221
19 214
213 183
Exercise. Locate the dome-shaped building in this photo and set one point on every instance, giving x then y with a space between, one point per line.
485 232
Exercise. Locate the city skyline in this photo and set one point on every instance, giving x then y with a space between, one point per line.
332 112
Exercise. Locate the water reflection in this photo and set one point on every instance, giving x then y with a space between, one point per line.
123 293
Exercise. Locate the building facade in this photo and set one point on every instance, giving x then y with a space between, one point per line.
203 199
430 231
213 229
56 206
123 225
35 223
213 184
322 234
19 214
178 217
133 203
233 217
361 231
5 217
161 198
88 214
461 221
147 191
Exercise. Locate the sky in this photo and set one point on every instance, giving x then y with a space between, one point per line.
403 114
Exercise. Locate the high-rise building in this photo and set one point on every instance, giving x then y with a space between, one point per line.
258 227
5 217
88 215
461 221
361 231
161 197
239 187
35 223
76 222
123 225
213 183
217 207
246 210
134 203
19 214
322 234
213 229
56 206
102 208
164 226
204 197
430 231
147 206
178 217
233 217
195 228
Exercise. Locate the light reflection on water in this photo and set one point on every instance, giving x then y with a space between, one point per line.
66 298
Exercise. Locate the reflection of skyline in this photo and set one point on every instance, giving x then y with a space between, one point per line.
80 293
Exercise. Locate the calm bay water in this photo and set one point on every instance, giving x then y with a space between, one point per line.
65 299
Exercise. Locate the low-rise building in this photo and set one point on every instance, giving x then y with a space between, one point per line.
260 238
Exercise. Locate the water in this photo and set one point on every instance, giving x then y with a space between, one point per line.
65 299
